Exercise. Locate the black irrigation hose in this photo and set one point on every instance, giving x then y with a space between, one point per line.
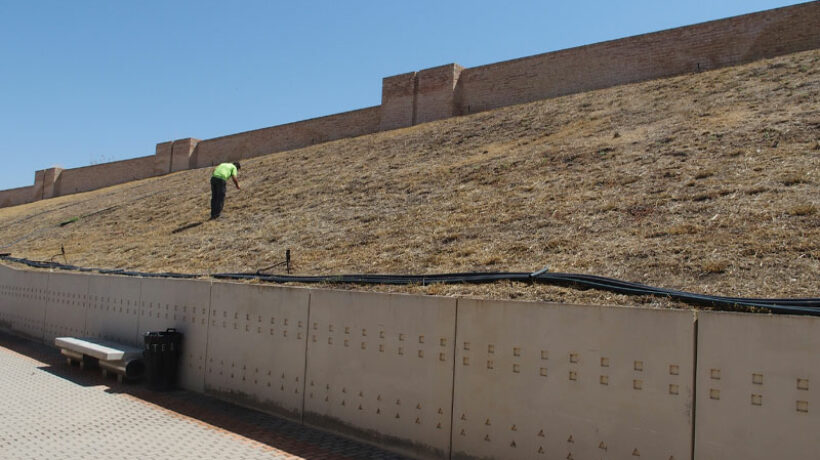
798 306
104 271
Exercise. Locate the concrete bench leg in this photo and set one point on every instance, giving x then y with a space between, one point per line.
89 363
72 357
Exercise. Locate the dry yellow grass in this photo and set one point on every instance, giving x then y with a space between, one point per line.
707 182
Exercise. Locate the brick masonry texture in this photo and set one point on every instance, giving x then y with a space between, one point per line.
435 97
450 90
103 175
50 178
162 158
15 196
661 54
181 152
285 137
398 100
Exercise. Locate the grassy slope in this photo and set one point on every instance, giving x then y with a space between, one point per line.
706 182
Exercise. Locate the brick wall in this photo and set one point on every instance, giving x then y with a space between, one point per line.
162 158
285 137
418 97
671 52
50 178
15 196
182 151
435 97
103 175
398 101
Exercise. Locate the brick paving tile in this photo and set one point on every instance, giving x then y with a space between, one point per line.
49 410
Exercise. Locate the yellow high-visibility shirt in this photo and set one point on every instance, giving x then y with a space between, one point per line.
225 171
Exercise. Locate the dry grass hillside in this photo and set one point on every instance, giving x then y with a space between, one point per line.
707 182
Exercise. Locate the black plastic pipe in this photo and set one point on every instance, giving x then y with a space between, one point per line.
795 306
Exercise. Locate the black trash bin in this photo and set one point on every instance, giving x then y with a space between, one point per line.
161 356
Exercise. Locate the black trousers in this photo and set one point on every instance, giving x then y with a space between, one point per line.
218 187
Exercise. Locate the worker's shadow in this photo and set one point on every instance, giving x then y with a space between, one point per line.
187 227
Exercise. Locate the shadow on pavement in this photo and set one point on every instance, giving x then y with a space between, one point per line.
277 433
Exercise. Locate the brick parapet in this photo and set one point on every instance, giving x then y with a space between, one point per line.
39 184
16 196
398 101
162 158
289 136
182 151
94 177
51 182
436 93
661 54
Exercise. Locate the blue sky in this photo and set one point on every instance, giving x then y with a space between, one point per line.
85 82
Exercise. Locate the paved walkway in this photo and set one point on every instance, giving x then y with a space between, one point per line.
49 410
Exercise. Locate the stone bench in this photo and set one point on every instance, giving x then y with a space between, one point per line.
124 361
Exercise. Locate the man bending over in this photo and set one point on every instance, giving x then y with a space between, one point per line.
218 185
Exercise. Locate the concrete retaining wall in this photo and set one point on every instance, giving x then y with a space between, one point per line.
256 347
112 309
184 305
380 367
757 387
65 305
572 381
23 301
436 377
